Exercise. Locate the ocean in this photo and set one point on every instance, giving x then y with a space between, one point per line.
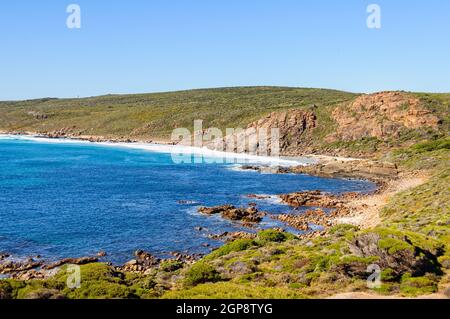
61 198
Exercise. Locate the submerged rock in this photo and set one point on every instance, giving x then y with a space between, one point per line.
259 197
266 169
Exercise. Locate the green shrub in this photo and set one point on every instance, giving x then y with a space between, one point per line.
36 292
102 290
170 265
430 146
98 281
392 245
444 261
237 245
388 274
342 230
272 235
6 291
414 286
201 272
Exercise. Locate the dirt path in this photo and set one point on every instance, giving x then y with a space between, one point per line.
443 293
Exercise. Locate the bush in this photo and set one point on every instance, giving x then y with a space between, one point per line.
170 265
30 292
5 290
444 261
414 286
342 230
430 146
388 274
237 245
272 235
102 290
201 272
393 245
98 281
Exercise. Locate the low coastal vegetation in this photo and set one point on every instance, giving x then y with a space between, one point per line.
274 265
410 244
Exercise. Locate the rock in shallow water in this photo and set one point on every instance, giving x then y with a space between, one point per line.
249 215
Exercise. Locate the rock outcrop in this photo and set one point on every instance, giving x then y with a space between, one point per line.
248 215
258 138
400 255
73 261
231 236
14 266
312 198
143 263
381 115
35 268
363 169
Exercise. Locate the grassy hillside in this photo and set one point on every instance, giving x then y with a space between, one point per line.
156 115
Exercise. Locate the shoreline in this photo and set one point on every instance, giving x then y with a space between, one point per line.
361 211
209 156
33 267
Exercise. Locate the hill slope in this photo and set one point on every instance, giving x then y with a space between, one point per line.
156 115
344 123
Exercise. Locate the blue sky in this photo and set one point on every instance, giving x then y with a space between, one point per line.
163 45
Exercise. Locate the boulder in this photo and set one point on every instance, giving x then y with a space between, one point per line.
74 261
406 257
248 215
311 198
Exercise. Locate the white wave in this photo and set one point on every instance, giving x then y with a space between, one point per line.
238 168
177 151
37 138
209 156
193 211
271 199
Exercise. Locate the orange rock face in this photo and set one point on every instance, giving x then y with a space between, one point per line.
291 124
381 115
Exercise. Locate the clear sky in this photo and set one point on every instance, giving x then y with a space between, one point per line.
163 45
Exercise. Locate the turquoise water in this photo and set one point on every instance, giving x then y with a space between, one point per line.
74 199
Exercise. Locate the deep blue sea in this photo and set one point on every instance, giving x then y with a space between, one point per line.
63 200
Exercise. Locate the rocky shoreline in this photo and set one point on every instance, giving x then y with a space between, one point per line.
144 262
38 268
